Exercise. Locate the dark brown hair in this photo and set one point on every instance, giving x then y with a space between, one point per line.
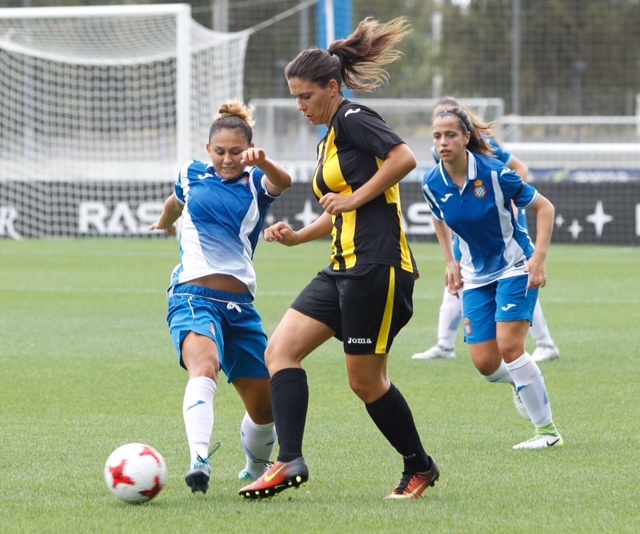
476 144
485 128
356 62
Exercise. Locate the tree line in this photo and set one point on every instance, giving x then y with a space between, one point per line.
575 56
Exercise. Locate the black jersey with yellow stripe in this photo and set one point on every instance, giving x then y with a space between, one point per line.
354 148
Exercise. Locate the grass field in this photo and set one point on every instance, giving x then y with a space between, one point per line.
87 365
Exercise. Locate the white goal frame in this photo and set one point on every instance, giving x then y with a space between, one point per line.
191 40
182 13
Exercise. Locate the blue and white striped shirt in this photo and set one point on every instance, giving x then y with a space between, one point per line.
221 223
493 245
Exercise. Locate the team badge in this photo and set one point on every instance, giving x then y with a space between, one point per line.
480 190
467 327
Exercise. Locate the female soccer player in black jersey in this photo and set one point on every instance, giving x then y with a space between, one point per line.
364 297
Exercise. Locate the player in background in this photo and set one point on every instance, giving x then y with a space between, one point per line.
364 297
211 316
472 194
450 314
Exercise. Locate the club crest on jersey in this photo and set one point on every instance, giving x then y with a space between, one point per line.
480 190
467 327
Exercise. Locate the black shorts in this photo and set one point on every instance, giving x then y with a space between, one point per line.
365 306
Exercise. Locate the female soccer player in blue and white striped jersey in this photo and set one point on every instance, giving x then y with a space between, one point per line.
500 270
212 320
450 313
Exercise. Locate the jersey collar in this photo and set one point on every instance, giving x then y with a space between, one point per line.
210 171
472 171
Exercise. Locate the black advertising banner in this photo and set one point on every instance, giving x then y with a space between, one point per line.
586 213
600 213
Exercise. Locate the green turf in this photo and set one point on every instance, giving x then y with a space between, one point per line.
87 365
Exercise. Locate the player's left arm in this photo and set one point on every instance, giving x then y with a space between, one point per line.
520 168
283 233
545 212
277 178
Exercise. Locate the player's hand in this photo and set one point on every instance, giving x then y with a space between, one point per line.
453 278
171 230
537 273
335 204
282 233
253 156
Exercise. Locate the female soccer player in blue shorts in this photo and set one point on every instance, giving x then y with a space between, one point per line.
471 193
450 313
364 297
211 317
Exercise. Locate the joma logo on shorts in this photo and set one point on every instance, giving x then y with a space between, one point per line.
359 340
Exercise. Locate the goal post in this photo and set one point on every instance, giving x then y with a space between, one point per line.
102 92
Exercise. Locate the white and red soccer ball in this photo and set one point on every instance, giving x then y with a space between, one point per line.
135 473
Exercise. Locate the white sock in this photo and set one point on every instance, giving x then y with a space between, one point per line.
258 442
449 320
530 386
502 375
539 329
197 411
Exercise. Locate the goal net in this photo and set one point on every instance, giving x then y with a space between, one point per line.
118 92
92 95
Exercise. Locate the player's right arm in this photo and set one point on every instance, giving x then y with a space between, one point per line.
453 277
170 214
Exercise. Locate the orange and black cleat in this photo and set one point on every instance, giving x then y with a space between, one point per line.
280 476
413 485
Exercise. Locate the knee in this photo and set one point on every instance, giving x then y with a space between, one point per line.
270 353
487 368
279 355
366 390
200 356
271 357
205 371
510 348
204 365
487 363
261 415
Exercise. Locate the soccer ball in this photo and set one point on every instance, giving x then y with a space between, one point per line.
135 473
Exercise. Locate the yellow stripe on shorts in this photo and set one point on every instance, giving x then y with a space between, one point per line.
383 335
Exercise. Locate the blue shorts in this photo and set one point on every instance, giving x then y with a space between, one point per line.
503 301
230 320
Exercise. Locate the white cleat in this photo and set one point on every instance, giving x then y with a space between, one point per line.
435 352
519 405
541 441
545 352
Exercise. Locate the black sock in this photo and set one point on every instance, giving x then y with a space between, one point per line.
393 417
290 399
